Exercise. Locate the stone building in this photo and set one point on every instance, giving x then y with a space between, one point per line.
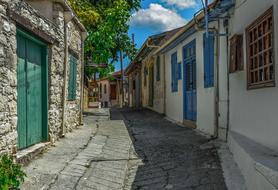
41 69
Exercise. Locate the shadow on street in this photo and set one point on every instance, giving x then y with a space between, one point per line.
173 157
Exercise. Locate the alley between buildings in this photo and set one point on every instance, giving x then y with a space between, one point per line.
128 150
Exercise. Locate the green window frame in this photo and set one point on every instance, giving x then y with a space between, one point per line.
72 78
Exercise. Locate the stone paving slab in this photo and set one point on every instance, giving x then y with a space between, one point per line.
134 150
44 170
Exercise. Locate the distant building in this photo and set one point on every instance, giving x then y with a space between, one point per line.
110 94
146 74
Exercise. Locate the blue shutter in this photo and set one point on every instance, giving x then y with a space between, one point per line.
172 75
208 61
174 68
179 71
176 71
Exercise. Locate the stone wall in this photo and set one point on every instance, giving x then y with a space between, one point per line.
8 64
73 108
8 92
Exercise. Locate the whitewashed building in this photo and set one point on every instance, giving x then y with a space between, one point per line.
146 74
224 84
195 92
110 94
253 93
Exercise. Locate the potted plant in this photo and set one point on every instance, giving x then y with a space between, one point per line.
11 174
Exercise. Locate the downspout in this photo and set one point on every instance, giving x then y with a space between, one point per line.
83 37
68 16
216 97
164 85
228 86
217 82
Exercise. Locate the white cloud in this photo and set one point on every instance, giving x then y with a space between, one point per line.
181 4
157 18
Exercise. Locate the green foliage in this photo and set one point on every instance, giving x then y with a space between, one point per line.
108 30
11 174
133 4
86 12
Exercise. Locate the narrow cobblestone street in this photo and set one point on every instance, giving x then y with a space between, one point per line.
133 150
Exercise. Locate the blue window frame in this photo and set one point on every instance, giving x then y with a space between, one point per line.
174 71
208 60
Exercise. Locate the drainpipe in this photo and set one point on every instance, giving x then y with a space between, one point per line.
216 97
68 16
228 86
217 83
164 85
83 37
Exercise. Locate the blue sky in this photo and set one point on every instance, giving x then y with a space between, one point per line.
156 16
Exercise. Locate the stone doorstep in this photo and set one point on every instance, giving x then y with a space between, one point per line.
25 156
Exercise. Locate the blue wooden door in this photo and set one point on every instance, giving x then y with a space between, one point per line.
190 96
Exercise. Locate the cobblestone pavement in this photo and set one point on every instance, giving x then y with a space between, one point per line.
174 157
133 150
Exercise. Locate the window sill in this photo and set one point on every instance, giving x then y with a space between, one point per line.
71 101
262 85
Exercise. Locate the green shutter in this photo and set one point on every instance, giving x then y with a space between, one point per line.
72 78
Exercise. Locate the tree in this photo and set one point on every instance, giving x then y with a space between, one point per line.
107 25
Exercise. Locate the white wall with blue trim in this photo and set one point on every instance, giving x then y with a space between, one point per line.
205 96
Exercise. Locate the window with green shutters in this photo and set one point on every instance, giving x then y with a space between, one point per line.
72 78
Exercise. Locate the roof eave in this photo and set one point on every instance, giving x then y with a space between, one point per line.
75 18
189 25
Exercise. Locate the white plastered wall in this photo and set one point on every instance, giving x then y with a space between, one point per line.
253 113
205 96
104 96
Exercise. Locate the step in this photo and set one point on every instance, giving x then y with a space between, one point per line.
25 156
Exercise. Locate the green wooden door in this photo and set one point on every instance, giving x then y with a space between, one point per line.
30 91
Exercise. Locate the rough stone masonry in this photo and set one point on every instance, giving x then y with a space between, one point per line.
12 14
